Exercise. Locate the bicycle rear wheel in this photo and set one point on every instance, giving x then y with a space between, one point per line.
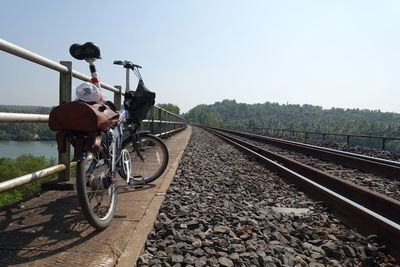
154 161
97 192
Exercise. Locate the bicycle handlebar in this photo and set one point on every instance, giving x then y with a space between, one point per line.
127 64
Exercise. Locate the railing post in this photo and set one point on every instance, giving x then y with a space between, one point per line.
117 96
165 123
159 122
348 140
65 96
323 136
151 125
383 143
174 125
168 117
170 123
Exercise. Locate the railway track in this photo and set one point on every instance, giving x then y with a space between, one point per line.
380 183
371 212
379 166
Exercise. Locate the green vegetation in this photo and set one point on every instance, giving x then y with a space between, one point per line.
170 107
304 118
25 131
12 168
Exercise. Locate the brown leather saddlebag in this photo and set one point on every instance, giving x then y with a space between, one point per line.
82 116
78 116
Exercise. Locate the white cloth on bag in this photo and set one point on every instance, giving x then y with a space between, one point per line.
88 92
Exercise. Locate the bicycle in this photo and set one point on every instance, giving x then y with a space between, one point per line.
149 154
95 130
100 150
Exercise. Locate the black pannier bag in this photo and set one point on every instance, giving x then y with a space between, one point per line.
139 102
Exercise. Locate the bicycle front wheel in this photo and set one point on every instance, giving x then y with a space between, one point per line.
96 188
151 159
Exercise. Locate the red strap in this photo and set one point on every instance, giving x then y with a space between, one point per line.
95 80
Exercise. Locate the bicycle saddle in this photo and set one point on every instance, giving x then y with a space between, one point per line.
86 51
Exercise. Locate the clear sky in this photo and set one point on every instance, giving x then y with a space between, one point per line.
331 53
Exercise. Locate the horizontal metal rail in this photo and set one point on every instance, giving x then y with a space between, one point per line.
170 132
42 118
28 178
20 117
30 56
166 122
31 177
86 78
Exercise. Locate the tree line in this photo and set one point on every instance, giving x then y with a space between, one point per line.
301 117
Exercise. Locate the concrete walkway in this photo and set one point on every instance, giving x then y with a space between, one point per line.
49 230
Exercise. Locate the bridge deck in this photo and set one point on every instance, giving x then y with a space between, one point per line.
50 231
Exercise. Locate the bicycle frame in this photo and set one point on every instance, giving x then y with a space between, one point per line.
117 132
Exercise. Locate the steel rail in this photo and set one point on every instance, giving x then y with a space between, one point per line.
390 162
379 203
355 203
332 134
387 168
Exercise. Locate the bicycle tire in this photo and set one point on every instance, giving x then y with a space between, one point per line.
156 157
97 194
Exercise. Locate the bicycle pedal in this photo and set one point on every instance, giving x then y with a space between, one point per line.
136 182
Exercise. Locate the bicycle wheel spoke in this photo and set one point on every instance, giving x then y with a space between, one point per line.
96 192
152 159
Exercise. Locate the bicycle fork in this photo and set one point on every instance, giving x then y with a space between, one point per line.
120 158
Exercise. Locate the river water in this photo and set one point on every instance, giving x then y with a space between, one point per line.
13 149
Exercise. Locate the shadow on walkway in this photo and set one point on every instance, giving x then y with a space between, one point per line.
32 230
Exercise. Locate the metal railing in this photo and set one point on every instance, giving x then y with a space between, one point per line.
308 133
159 121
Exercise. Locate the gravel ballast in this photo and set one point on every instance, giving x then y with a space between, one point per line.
223 209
